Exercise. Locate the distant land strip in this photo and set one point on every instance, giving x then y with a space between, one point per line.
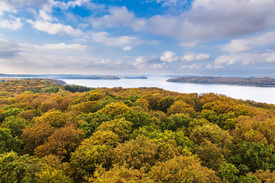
71 76
263 82
57 81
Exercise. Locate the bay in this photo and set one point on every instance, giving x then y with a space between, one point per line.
257 94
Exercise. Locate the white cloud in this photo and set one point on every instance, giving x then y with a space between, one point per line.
55 28
202 56
193 66
204 20
188 58
157 66
104 38
141 60
45 13
171 3
168 56
209 66
52 58
225 59
207 19
12 24
63 46
237 45
195 57
77 3
127 48
74 3
245 58
147 62
12 5
104 61
248 44
265 39
57 50
217 18
5 7
8 48
119 17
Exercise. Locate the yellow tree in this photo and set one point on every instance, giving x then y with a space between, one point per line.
182 169
61 143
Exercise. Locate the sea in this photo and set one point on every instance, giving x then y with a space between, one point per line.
257 94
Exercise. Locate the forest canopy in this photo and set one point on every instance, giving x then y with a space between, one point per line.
57 133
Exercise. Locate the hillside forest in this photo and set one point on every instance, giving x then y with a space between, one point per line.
53 133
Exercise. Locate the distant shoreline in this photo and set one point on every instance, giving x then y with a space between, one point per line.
260 82
72 76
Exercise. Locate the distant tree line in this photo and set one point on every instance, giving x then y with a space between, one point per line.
76 88
226 80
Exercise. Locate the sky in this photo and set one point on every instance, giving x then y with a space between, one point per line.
138 37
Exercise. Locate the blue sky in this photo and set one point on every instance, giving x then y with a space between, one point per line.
147 37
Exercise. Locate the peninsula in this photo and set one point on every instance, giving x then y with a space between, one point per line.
263 82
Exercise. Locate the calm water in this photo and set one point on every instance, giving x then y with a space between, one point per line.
258 94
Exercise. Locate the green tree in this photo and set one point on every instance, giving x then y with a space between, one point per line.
211 155
94 95
152 132
8 142
121 127
143 152
10 111
228 172
52 175
52 171
195 123
14 168
107 138
137 153
87 158
212 133
115 109
251 156
152 100
87 107
55 118
89 122
137 118
176 121
15 124
165 103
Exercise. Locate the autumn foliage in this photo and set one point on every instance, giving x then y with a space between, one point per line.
55 133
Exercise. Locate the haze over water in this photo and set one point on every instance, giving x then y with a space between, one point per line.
258 94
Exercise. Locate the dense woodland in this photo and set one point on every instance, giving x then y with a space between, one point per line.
55 133
264 81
